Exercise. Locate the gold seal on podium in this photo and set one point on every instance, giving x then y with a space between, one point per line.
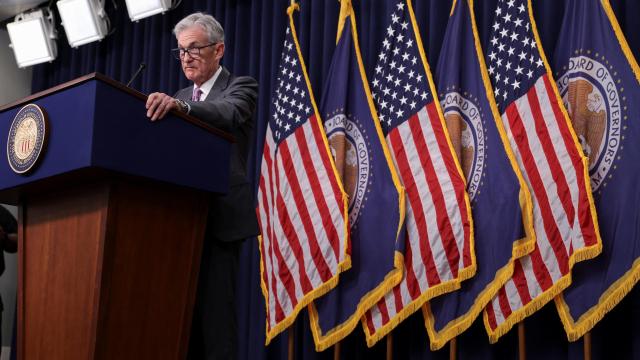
27 138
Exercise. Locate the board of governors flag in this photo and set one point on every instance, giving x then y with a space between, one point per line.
500 201
598 76
376 197
439 238
302 209
553 166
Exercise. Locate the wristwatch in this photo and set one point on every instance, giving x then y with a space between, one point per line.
182 106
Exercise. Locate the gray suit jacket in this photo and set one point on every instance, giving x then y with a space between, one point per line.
229 107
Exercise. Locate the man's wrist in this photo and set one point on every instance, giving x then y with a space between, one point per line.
182 106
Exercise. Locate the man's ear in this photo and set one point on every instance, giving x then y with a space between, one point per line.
220 51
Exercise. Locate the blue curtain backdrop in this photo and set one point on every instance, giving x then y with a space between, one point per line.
254 37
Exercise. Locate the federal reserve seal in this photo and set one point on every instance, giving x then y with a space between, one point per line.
467 134
590 93
348 146
27 138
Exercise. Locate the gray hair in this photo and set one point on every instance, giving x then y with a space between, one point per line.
207 22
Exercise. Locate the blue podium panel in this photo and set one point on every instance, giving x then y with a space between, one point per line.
170 150
70 135
96 123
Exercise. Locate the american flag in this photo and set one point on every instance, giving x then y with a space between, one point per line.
501 203
547 153
439 228
302 208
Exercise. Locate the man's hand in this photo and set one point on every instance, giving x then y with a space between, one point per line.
159 104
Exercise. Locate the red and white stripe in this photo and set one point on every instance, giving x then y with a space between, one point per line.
302 219
437 245
563 222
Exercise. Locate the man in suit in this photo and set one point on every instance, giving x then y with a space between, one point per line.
226 102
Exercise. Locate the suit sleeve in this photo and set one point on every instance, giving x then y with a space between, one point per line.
232 108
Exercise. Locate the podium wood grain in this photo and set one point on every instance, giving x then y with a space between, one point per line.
109 271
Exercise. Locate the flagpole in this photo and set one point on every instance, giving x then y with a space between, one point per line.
522 345
453 349
336 351
292 328
390 346
586 339
291 339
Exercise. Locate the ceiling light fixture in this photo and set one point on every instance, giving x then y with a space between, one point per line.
140 9
84 21
33 37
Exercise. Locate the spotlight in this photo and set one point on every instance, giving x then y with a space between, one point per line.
139 9
84 21
33 37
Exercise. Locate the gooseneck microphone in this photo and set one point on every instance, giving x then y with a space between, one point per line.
140 68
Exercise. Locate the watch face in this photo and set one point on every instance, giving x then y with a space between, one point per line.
182 106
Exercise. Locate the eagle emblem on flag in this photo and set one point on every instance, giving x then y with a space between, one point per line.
590 91
467 132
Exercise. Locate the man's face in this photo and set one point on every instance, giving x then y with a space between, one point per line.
199 68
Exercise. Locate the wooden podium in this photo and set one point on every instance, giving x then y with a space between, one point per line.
111 224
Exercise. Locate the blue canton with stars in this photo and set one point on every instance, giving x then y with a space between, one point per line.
512 56
291 103
400 85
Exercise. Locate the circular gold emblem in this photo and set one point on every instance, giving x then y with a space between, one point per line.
27 138
349 149
467 133
593 99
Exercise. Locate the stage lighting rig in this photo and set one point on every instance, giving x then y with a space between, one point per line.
84 21
33 37
140 9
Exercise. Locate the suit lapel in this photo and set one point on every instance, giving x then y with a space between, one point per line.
221 83
185 94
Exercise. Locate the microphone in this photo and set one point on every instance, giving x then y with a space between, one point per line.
140 68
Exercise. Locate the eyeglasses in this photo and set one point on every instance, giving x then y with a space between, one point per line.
194 52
